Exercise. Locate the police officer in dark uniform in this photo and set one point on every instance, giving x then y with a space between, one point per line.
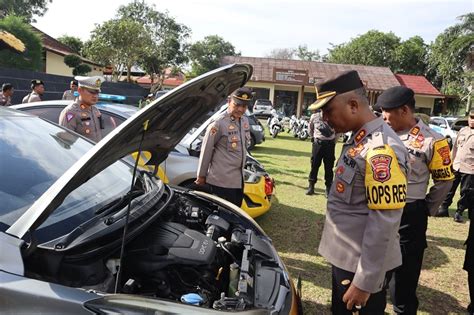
429 154
224 150
364 208
323 138
82 116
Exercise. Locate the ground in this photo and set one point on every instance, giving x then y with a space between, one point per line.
295 224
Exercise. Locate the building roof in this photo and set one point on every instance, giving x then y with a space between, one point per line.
375 78
55 46
418 83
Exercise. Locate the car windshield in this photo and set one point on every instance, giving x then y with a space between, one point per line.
34 155
264 102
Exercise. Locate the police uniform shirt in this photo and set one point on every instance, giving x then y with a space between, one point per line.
428 154
463 151
5 100
32 97
69 95
224 150
84 120
319 129
365 205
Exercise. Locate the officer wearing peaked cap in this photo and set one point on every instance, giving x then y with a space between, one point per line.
365 202
224 149
428 154
37 90
82 115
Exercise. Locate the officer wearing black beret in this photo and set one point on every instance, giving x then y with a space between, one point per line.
224 149
365 202
429 154
37 90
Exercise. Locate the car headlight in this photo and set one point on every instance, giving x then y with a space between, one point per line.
256 128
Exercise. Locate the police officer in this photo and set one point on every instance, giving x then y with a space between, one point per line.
323 139
82 116
37 90
6 95
428 154
69 94
224 149
463 156
364 208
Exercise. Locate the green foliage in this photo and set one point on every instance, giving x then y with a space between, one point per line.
31 59
447 60
168 38
121 43
24 8
75 43
374 48
205 55
410 57
81 69
303 53
75 62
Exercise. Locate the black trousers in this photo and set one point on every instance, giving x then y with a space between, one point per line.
375 305
412 243
468 199
323 151
234 195
449 197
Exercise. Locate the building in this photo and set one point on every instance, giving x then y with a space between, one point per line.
171 79
289 84
53 57
425 92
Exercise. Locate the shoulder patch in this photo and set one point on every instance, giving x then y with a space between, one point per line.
440 164
69 116
415 130
360 135
385 183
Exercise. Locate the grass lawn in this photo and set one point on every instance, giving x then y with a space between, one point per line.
295 224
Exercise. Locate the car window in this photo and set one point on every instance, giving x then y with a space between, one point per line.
459 124
264 102
50 113
110 122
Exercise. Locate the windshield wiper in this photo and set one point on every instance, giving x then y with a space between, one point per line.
119 203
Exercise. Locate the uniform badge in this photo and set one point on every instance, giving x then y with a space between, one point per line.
87 123
234 145
354 151
213 131
340 170
69 116
88 131
83 107
380 164
83 114
360 135
340 187
415 130
246 126
231 127
445 155
416 144
234 138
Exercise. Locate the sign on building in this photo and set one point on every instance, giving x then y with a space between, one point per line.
290 76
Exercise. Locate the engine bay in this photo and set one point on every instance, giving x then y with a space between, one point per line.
196 252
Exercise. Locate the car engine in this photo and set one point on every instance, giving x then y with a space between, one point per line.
195 252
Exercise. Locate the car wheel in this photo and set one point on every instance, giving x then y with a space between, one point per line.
252 143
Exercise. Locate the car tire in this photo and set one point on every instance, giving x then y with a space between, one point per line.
252 143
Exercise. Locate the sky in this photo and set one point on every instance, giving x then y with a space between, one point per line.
255 27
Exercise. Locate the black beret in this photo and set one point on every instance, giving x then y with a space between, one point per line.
6 86
242 96
36 83
395 97
341 83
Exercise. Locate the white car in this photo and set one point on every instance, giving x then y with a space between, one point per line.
443 125
262 107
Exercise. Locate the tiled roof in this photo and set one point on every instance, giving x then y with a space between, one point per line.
376 78
418 83
51 44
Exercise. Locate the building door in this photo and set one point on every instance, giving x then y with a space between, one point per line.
285 102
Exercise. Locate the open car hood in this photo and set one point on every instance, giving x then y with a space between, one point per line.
162 124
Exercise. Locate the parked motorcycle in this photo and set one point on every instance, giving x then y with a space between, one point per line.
303 132
275 124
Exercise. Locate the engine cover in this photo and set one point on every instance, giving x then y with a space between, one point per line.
171 243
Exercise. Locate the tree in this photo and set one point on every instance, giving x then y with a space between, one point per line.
24 8
303 53
31 59
410 56
205 55
281 53
168 38
75 43
75 62
121 43
373 48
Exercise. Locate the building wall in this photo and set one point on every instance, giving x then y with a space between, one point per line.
55 65
424 104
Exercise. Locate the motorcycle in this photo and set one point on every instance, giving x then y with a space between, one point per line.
303 132
293 125
275 123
